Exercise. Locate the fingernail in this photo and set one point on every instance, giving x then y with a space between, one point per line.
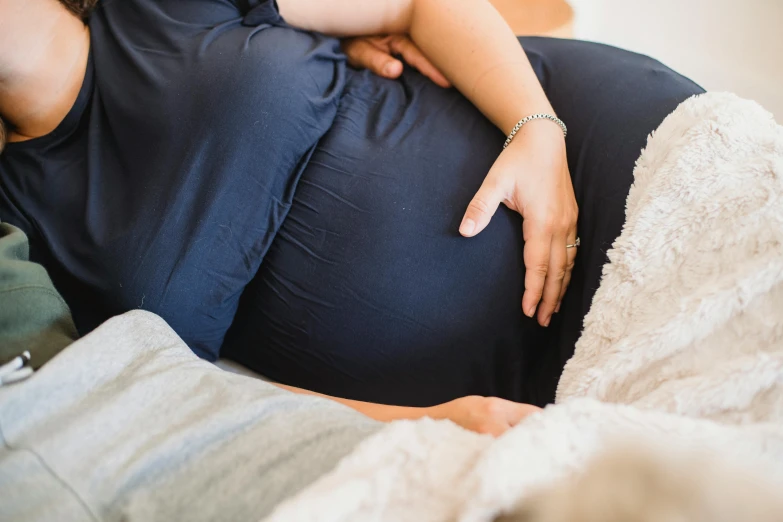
557 308
546 321
531 311
387 69
467 227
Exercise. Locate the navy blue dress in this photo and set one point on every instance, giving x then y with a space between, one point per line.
233 175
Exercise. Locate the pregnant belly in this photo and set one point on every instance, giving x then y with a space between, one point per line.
368 291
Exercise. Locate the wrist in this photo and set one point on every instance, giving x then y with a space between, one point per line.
434 412
541 135
541 127
445 411
387 413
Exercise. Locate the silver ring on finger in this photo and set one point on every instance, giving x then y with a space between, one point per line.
575 243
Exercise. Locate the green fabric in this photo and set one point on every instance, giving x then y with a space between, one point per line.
33 316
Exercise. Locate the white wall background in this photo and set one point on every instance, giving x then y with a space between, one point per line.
731 45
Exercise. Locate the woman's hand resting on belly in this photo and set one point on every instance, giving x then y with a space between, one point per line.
531 177
478 53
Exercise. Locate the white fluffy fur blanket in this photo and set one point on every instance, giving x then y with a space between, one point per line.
683 344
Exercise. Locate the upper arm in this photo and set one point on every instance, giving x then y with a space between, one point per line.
348 17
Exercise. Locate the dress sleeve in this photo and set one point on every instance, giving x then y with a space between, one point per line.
263 12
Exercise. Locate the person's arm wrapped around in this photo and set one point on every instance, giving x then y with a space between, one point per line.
472 47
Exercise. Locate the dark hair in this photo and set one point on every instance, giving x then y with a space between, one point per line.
80 8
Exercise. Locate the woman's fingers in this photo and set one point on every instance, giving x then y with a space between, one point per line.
553 285
548 266
536 255
376 54
363 54
482 208
571 259
413 56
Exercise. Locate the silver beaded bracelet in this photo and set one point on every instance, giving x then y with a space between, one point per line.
531 118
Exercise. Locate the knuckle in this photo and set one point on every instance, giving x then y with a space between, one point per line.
379 61
549 225
479 204
539 268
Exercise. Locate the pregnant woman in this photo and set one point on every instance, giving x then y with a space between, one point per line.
223 164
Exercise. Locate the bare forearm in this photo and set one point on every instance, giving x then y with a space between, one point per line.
473 46
379 412
481 414
467 40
